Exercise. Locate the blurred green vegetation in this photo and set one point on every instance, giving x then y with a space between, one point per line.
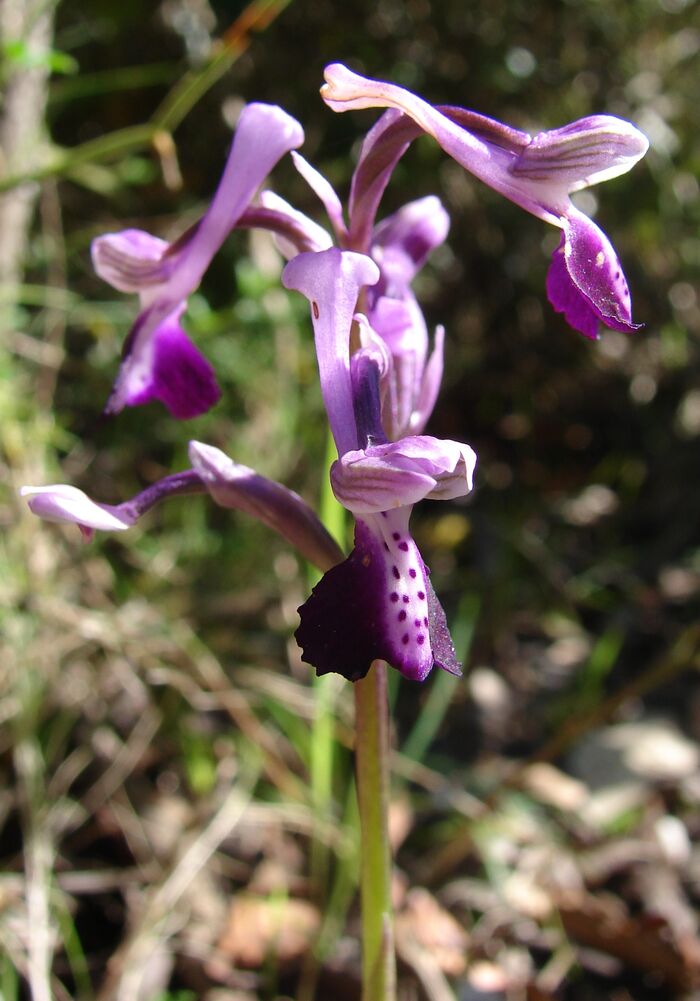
155 665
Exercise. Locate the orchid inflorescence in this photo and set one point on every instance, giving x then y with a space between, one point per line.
379 374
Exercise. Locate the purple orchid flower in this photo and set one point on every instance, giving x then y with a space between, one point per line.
159 360
228 483
585 281
399 245
379 602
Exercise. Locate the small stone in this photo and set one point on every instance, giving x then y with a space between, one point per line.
551 786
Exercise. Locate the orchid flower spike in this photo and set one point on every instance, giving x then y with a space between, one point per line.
585 281
159 360
379 602
228 483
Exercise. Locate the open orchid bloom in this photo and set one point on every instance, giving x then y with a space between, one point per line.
378 603
399 245
228 483
159 360
585 280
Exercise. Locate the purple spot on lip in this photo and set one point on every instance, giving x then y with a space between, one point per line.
411 572
402 615
343 628
417 623
394 596
426 622
404 639
421 595
395 571
405 599
403 546
395 536
420 639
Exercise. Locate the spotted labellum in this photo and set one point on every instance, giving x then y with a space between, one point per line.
379 602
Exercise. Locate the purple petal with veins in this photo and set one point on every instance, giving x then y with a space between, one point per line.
430 385
294 232
566 159
233 485
401 244
131 260
326 194
168 367
400 473
400 324
384 145
264 134
331 280
585 281
538 173
61 502
166 276
583 153
228 483
405 239
489 161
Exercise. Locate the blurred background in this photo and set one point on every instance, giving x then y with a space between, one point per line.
176 801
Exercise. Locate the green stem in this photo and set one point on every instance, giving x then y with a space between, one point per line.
177 104
372 760
115 143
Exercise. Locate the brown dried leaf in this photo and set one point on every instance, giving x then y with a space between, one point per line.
401 819
603 923
425 923
259 928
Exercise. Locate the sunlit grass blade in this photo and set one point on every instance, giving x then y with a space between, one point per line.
9 980
75 955
112 80
323 750
443 685
177 104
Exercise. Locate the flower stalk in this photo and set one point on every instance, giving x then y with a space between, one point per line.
372 769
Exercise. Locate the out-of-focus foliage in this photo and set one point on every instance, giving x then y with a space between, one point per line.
572 572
